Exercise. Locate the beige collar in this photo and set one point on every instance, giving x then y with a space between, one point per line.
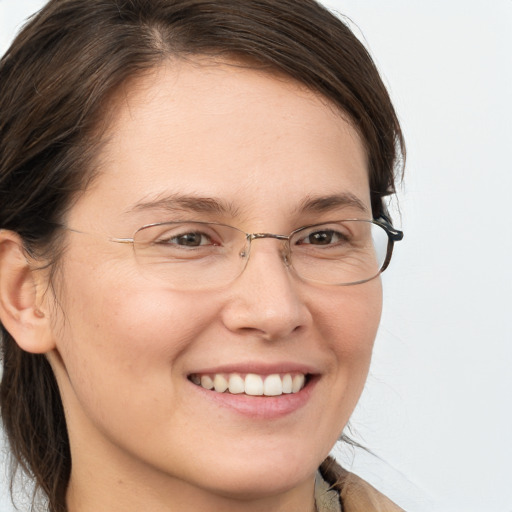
327 499
337 490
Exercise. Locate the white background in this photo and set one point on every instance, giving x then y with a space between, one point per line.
437 409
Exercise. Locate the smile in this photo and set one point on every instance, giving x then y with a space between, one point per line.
251 384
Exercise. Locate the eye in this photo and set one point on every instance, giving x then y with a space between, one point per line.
188 239
182 241
323 237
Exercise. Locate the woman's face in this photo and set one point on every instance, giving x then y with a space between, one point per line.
221 143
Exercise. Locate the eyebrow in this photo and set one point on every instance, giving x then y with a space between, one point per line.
321 204
191 203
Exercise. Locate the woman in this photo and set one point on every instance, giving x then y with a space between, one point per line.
148 148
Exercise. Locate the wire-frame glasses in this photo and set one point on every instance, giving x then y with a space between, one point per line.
190 255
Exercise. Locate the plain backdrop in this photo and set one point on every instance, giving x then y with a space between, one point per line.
436 410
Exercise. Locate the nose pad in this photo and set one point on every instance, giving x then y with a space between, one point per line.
285 255
245 252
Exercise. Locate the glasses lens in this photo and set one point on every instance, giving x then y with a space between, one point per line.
341 253
201 255
190 255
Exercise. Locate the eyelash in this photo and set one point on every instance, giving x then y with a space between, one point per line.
175 239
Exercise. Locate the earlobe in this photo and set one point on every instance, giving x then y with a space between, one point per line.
21 310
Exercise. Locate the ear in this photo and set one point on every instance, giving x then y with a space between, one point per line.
22 310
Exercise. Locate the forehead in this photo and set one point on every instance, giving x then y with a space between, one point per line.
253 140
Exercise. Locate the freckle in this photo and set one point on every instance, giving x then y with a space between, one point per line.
120 482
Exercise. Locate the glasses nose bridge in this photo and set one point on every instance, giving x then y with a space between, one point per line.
255 236
284 238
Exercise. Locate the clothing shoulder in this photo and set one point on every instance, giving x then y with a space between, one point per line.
356 494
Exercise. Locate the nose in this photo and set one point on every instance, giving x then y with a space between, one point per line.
267 299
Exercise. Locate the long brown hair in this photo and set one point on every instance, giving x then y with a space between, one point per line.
55 84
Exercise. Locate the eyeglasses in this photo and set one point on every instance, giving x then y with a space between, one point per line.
191 255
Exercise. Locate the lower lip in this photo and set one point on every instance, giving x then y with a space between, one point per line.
261 407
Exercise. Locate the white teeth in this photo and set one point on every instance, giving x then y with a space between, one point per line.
206 382
287 383
220 383
252 384
298 383
236 384
273 386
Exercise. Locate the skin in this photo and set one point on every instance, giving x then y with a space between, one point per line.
143 437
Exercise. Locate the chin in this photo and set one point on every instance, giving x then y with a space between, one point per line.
251 483
265 473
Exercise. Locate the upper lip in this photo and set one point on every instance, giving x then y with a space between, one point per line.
257 368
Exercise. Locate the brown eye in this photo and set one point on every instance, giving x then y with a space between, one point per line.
323 237
185 237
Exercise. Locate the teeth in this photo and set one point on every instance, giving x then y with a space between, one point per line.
220 383
236 384
206 382
273 386
298 383
287 383
252 384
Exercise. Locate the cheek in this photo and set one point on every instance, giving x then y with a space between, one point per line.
351 320
133 325
346 320
118 342
350 323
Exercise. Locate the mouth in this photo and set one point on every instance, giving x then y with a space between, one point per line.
251 384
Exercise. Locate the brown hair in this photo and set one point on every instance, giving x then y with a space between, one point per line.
55 83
